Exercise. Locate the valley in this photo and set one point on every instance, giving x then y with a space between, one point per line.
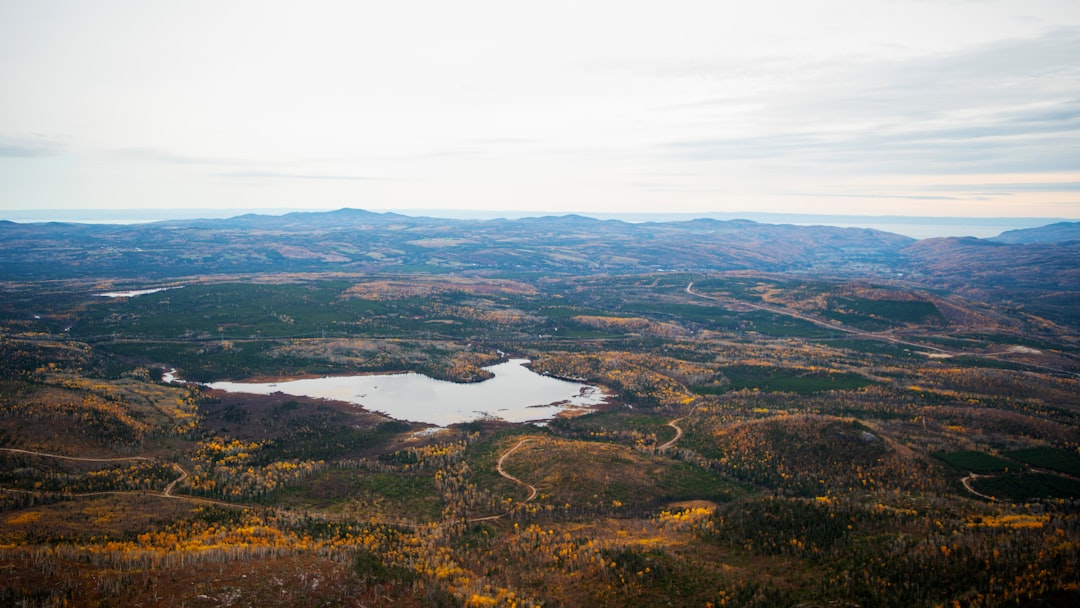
796 416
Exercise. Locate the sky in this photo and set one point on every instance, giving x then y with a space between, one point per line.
962 108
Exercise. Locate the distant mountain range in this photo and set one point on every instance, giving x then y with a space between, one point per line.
1036 264
919 227
1061 232
354 240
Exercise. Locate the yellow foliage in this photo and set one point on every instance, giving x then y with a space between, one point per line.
26 517
1012 522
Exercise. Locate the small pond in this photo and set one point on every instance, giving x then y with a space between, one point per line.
514 394
132 293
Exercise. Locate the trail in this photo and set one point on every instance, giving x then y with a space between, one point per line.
172 484
47 455
678 430
499 468
502 471
819 322
884 336
195 499
166 493
967 486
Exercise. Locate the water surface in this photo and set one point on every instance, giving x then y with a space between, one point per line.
132 293
514 394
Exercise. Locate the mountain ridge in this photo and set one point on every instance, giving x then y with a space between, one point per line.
352 239
1058 232
1021 264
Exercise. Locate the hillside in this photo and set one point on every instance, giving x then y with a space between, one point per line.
1061 232
351 240
1038 278
791 416
1019 267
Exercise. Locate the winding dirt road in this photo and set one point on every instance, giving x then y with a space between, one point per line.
47 455
883 336
967 486
502 471
830 326
172 484
499 468
678 431
166 493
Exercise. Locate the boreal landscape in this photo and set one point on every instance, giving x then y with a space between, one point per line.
793 416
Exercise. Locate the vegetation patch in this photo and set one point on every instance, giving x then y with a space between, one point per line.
808 455
389 496
798 463
634 428
1055 459
976 462
787 380
600 476
1027 486
875 314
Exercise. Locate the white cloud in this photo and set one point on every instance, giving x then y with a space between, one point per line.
29 147
695 105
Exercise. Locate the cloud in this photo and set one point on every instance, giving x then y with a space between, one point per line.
22 147
1009 188
991 78
982 149
917 197
173 158
1010 106
710 104
279 175
232 168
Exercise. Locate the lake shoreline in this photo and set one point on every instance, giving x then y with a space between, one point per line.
515 394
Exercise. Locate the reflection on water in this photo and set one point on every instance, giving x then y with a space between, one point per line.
132 293
514 394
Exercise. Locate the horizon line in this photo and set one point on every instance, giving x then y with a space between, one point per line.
146 215
915 227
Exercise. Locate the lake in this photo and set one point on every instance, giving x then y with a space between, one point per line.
132 293
514 394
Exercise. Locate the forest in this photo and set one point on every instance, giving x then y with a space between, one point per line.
772 439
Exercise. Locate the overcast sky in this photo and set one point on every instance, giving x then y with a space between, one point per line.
911 107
